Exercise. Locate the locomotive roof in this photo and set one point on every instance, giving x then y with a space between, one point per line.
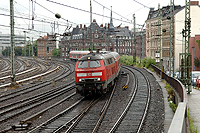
79 51
115 54
99 56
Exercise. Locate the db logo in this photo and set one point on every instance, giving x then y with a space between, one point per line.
89 74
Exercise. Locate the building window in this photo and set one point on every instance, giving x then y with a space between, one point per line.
96 36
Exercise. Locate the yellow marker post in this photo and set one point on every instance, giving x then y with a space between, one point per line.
124 87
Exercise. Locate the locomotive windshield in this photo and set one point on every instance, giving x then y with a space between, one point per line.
95 63
85 64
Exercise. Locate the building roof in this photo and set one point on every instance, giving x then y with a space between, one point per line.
165 11
122 31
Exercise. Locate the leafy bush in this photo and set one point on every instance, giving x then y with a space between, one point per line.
173 106
146 62
149 62
56 52
197 61
193 128
126 60
169 89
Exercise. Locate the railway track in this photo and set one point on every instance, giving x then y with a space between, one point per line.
5 66
134 114
31 97
32 73
122 109
126 117
92 117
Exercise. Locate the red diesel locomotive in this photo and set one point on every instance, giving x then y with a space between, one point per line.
96 72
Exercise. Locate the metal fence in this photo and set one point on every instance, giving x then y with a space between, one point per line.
179 122
176 84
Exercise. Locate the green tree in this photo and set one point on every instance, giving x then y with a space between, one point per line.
198 41
25 51
56 52
196 62
6 52
146 62
18 51
26 48
126 60
35 48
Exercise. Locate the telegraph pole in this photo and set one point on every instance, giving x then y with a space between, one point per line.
142 41
13 81
171 55
29 52
186 58
159 35
25 43
134 39
91 45
32 46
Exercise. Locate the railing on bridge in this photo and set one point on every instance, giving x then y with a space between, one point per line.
176 84
180 120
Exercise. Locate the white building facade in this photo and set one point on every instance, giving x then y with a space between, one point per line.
179 25
5 41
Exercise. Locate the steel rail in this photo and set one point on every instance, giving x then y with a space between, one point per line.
57 116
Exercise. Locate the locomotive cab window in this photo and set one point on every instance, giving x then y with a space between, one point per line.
83 64
95 63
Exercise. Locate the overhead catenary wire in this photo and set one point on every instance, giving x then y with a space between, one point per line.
139 9
110 10
39 19
129 22
141 4
43 16
54 13
29 19
23 28
65 19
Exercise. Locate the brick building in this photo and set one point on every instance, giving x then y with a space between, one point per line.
194 49
46 45
108 37
179 25
152 33
141 44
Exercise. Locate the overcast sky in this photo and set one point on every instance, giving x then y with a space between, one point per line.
76 12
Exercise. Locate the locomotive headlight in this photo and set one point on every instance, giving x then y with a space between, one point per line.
80 80
98 79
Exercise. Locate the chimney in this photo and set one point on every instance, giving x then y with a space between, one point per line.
151 8
194 2
80 26
94 20
84 27
108 25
